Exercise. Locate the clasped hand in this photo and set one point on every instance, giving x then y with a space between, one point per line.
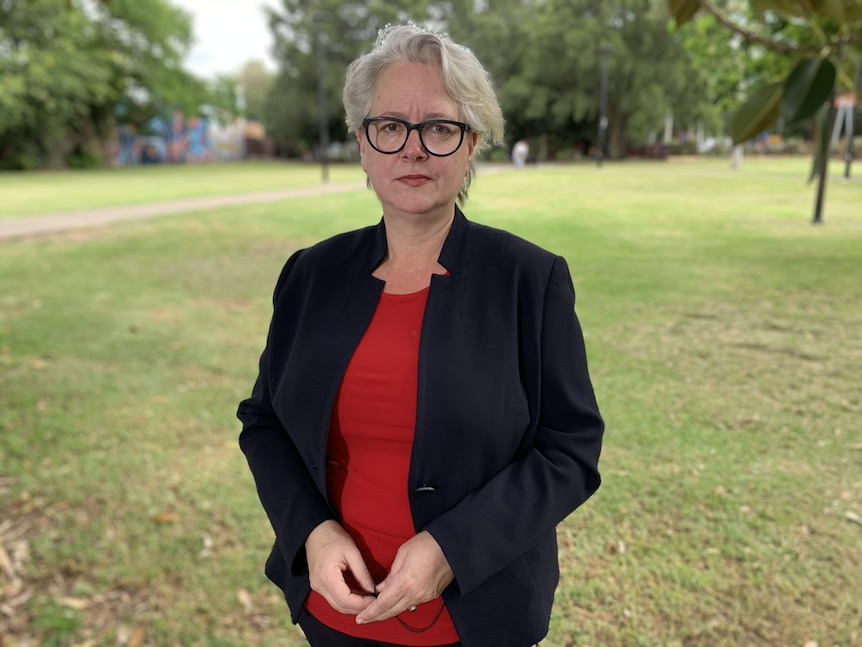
419 573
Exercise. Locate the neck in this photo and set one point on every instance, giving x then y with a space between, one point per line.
412 245
411 255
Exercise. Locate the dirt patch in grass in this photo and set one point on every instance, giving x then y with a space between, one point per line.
47 610
69 607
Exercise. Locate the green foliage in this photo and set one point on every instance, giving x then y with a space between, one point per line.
224 99
807 36
729 66
51 75
822 51
544 57
821 145
684 10
256 82
548 57
70 68
83 161
809 86
757 114
12 161
315 33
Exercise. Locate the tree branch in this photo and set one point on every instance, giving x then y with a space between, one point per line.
752 37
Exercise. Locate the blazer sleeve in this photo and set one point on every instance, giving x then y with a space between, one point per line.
521 504
289 496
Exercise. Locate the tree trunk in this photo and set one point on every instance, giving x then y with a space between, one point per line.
617 136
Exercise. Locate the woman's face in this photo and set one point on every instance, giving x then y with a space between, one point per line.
411 181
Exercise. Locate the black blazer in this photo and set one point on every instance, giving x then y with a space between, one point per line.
508 432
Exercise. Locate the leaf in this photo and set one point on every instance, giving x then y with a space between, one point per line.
821 143
77 604
757 114
808 87
616 547
245 599
137 638
166 518
786 8
833 9
683 10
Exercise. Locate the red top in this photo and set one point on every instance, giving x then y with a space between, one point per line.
368 454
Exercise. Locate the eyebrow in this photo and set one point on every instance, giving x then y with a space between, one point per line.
433 115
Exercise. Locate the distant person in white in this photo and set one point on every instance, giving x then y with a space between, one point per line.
520 152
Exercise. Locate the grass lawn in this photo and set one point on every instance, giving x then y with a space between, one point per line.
724 339
52 192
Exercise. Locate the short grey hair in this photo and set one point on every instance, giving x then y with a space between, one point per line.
465 80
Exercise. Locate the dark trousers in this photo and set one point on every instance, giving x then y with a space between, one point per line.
319 635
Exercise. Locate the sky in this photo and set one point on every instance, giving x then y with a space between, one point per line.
228 34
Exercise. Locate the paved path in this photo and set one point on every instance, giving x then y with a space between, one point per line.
61 222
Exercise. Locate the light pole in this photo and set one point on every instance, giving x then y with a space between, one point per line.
604 53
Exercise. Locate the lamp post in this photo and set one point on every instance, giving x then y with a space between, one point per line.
605 53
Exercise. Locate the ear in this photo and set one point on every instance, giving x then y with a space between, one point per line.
472 140
362 147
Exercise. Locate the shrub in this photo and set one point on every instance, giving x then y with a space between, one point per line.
83 161
17 162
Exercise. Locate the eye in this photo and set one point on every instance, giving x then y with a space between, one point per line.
441 129
390 127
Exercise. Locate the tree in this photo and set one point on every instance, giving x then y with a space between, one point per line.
732 63
310 37
546 58
500 37
821 45
256 82
70 68
224 100
315 35
51 74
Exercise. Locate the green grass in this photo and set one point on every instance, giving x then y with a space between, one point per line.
52 192
723 332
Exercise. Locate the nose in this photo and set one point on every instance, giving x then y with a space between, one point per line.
413 148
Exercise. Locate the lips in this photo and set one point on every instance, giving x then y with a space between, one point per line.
414 180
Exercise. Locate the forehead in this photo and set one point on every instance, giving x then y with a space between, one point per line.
413 90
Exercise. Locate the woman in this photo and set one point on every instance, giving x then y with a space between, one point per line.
423 416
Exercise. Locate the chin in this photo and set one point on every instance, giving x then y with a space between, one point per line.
416 207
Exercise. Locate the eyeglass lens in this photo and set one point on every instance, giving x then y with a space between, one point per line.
438 137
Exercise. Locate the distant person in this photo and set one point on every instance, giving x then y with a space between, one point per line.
520 152
423 417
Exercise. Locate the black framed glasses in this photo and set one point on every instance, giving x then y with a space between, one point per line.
440 137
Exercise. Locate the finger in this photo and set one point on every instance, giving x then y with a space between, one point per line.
360 572
382 608
356 603
340 597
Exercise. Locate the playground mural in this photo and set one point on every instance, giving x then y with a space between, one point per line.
179 140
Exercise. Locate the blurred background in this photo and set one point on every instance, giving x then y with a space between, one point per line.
88 83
